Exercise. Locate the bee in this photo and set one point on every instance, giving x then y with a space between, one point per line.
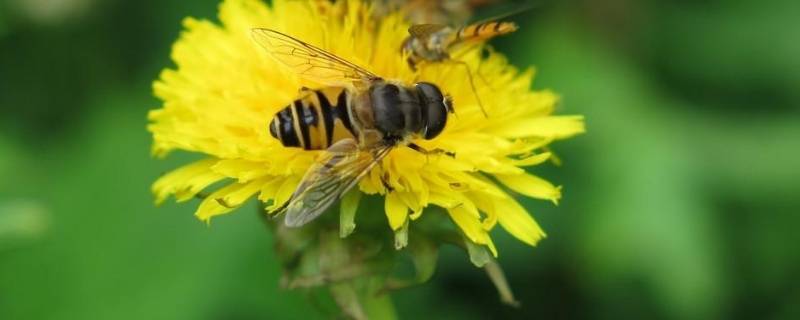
357 120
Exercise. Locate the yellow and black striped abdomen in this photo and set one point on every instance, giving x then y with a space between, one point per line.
314 122
486 30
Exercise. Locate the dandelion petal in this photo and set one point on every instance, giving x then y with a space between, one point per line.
516 220
396 211
531 186
555 127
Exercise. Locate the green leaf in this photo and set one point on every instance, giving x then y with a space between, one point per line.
478 254
347 212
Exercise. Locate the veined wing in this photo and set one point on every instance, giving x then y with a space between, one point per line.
309 61
475 32
333 174
424 31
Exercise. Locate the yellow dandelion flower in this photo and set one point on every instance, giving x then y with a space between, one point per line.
225 89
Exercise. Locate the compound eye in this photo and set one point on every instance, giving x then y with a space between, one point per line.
435 109
429 92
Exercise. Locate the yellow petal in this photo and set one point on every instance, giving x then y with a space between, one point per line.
237 197
269 189
469 222
491 246
410 200
187 181
443 199
196 184
226 199
532 160
396 211
284 192
416 214
372 184
531 186
555 127
516 220
486 205
242 170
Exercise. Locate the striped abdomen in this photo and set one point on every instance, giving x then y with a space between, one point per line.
486 30
315 121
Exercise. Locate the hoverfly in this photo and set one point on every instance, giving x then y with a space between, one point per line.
430 11
434 43
357 121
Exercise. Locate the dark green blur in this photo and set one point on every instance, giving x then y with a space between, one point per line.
681 202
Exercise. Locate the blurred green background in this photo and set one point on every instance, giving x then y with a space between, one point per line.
681 201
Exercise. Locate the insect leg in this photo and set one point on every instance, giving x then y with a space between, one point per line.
426 152
472 85
385 182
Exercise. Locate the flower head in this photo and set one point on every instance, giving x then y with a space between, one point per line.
224 90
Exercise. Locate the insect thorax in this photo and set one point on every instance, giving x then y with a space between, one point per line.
390 111
396 109
432 49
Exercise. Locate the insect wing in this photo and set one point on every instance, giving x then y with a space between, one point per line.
424 31
507 14
333 174
309 61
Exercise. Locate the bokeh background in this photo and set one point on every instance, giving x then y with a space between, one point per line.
681 202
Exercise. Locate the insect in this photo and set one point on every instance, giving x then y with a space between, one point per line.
434 43
430 11
357 120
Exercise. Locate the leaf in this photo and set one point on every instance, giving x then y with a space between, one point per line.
347 212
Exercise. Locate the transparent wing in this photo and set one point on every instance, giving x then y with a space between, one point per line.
423 31
337 171
309 61
519 9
